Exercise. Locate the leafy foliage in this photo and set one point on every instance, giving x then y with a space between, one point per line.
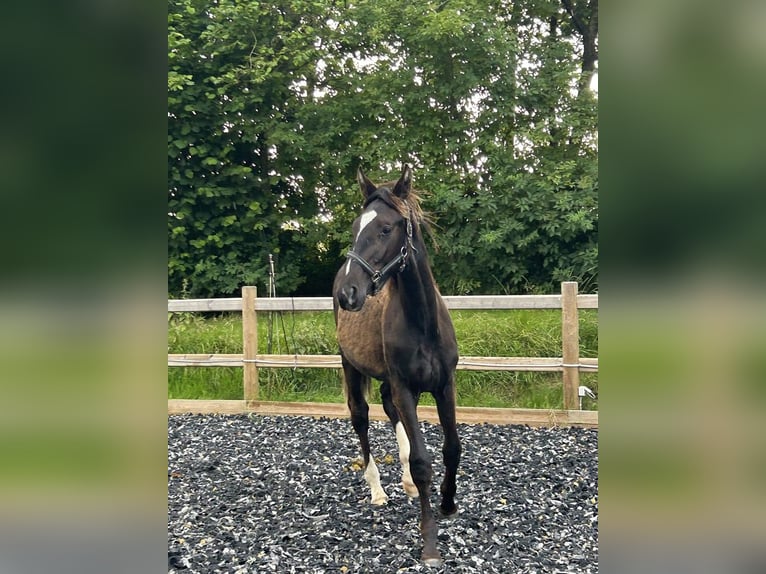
271 108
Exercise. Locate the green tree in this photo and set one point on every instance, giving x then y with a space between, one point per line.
272 108
236 152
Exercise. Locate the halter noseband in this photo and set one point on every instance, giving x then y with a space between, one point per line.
397 264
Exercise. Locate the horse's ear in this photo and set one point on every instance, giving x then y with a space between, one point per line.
367 186
404 185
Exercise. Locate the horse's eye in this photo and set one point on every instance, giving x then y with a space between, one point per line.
386 230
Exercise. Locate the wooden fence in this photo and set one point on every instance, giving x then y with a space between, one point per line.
570 364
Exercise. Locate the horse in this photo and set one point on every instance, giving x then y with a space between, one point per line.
393 325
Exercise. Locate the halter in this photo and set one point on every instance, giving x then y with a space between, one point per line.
397 264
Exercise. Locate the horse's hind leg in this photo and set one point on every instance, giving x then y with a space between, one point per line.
357 386
445 405
401 438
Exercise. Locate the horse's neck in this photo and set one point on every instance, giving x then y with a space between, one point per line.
419 297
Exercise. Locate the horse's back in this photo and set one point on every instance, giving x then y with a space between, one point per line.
360 335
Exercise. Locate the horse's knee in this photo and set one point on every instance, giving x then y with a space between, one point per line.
359 414
360 423
420 469
451 452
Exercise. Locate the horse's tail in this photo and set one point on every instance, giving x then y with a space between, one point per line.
365 385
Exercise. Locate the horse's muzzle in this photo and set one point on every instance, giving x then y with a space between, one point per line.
350 299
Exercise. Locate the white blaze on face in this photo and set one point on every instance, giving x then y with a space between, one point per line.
404 458
367 217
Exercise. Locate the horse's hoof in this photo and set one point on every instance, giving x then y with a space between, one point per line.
379 500
449 515
433 562
410 490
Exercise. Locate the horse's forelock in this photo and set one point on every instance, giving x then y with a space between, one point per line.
410 207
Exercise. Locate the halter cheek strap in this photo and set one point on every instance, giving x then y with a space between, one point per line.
379 277
396 265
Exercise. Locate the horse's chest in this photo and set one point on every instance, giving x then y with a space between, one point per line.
360 335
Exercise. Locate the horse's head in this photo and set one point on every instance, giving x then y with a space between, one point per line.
382 245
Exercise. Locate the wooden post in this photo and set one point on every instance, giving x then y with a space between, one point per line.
249 343
570 343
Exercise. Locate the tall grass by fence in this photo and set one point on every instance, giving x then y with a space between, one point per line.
570 364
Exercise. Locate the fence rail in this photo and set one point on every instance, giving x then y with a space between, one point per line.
333 362
570 364
454 302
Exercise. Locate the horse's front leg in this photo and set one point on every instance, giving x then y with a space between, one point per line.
356 385
420 468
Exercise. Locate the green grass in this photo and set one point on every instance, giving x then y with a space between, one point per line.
517 333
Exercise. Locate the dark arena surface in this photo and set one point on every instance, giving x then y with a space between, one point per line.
250 493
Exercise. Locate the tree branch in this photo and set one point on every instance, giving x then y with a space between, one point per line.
579 24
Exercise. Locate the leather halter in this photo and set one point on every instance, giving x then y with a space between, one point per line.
396 265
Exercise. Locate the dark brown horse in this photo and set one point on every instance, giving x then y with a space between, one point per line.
393 325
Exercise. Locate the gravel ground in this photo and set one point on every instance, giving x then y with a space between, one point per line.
249 493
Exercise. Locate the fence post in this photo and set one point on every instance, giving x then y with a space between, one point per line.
570 343
249 343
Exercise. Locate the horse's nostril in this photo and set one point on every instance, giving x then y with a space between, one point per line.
350 294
